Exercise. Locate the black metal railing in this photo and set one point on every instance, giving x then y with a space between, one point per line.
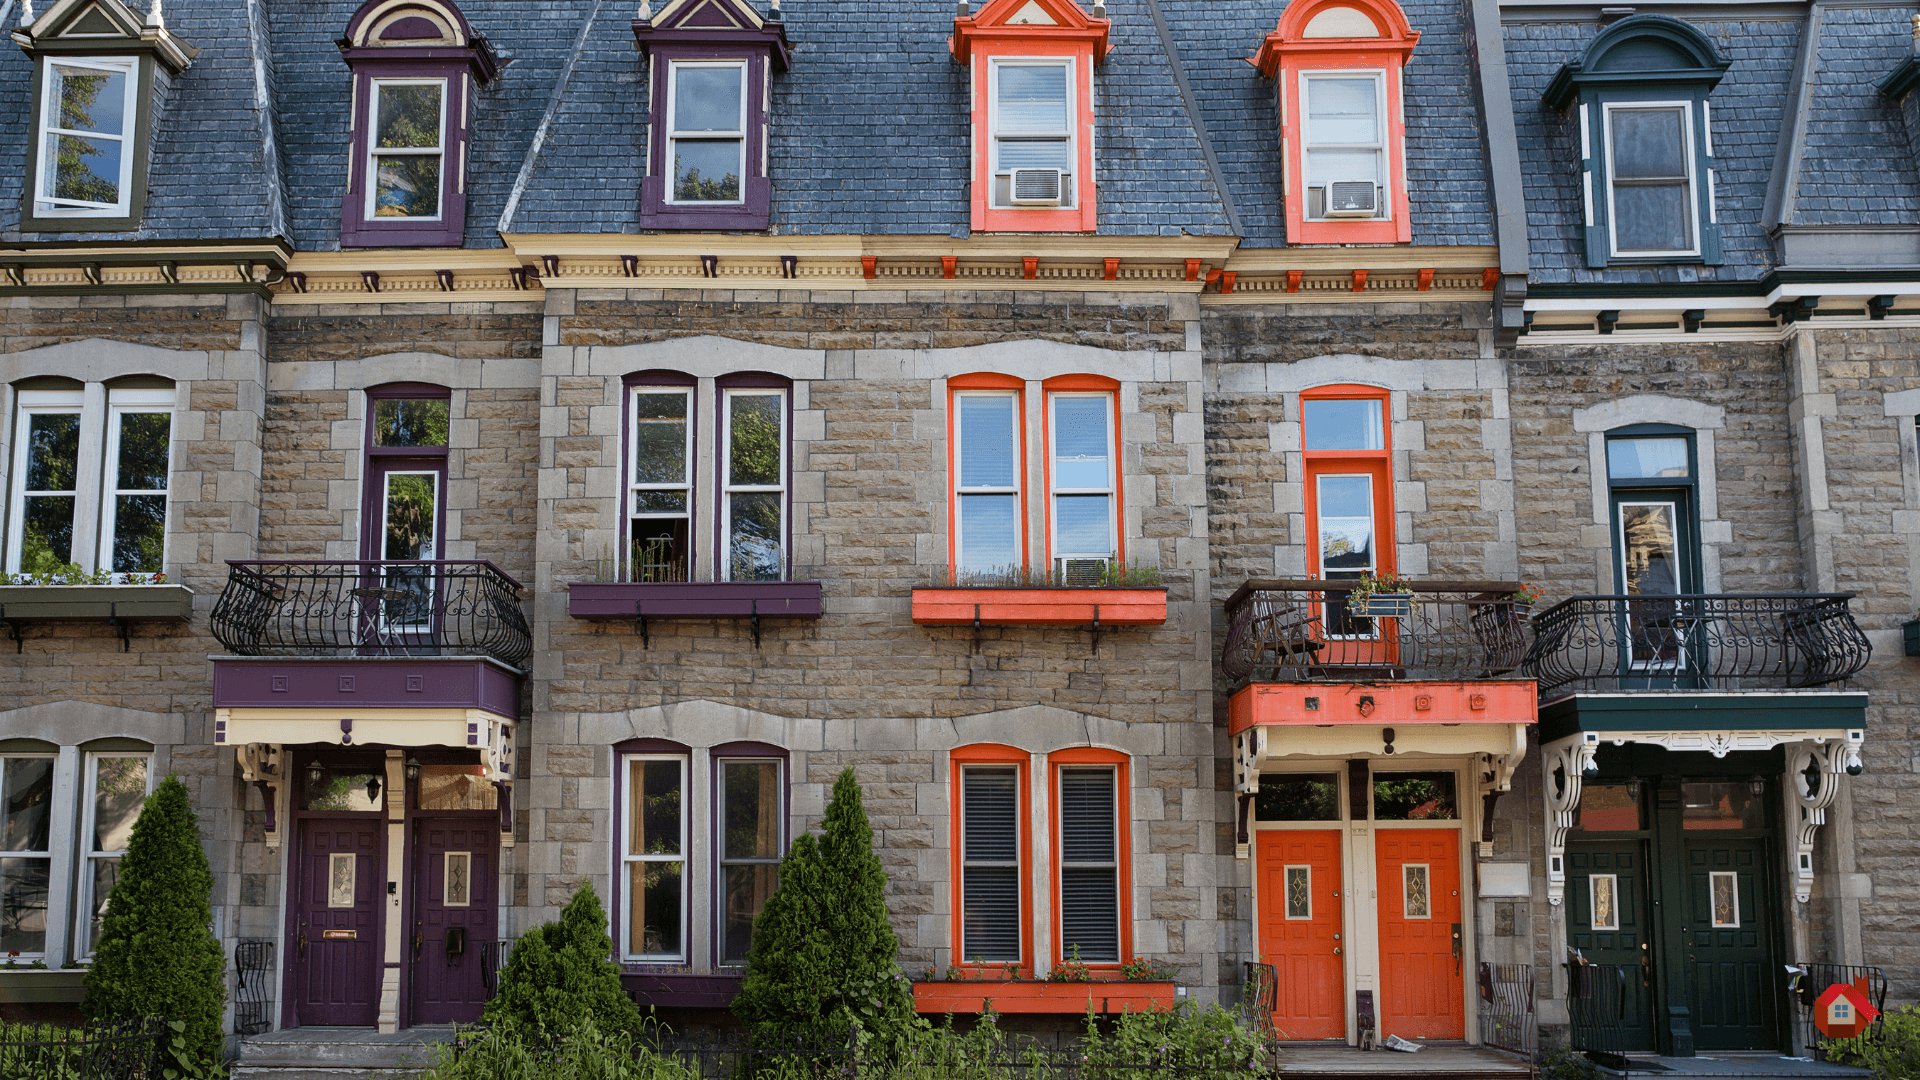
1305 631
1695 642
493 960
1597 1011
118 1050
1814 980
1257 995
366 608
252 987
1507 1019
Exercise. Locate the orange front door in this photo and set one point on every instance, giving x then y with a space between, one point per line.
1420 927
1300 931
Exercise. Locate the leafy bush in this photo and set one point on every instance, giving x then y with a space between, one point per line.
1200 1041
586 1053
1559 1061
1894 1055
559 978
156 955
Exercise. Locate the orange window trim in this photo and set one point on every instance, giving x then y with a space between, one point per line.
1123 840
1376 463
1085 384
984 380
1083 216
991 754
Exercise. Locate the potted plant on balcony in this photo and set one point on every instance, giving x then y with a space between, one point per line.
1386 595
1524 600
1099 592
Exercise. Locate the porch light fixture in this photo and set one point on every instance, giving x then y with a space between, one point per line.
1758 786
373 788
413 769
316 774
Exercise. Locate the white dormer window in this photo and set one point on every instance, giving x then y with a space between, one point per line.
86 148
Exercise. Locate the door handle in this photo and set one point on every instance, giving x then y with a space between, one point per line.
1336 950
1646 965
303 941
1456 950
419 941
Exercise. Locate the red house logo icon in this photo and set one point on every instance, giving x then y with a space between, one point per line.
1843 1011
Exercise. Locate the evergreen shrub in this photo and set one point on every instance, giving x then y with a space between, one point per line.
560 976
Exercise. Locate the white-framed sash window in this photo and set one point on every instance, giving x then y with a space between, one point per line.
88 109
653 827
1345 145
26 852
753 502
1082 517
116 786
406 149
90 487
706 131
1031 114
660 495
1652 209
987 466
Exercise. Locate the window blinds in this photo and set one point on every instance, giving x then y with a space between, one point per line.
1089 866
990 864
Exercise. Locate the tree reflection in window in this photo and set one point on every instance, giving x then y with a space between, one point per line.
1414 797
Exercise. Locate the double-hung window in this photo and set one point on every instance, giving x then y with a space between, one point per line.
992 833
26 856
660 495
752 840
87 113
1650 196
754 496
1084 526
90 485
1032 133
116 786
407 151
707 130
1346 134
1349 492
654 856
1089 863
1651 480
987 466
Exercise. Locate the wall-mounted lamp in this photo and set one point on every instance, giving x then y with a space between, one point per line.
316 775
413 769
373 788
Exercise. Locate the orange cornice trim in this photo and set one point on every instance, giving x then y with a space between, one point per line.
989 25
987 380
1080 381
1397 35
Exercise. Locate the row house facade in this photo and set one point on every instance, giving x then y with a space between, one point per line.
487 449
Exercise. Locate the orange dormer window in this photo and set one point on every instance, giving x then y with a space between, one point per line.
1030 64
1336 70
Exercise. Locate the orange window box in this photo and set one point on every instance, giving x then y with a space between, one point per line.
1077 606
1063 998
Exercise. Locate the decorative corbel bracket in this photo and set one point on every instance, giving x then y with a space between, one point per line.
1496 779
1813 779
1249 749
1567 761
260 765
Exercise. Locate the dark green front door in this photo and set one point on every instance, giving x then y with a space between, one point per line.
1728 935
1607 922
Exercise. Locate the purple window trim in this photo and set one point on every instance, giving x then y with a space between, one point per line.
717 900
762 50
357 227
373 498
752 380
672 380
404 391
618 849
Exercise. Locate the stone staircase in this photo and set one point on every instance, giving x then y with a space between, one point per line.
322 1053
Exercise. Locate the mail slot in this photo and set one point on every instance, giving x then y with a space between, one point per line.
456 940
341 935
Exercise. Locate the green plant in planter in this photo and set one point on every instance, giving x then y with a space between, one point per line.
1367 586
1072 969
1140 969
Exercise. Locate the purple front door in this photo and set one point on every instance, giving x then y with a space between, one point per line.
455 864
336 933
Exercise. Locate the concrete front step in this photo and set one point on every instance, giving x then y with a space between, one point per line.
339 1053
297 1072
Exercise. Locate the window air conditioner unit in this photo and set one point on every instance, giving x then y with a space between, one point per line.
1353 198
1083 571
1037 187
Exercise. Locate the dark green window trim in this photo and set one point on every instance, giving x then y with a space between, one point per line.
138 144
1684 489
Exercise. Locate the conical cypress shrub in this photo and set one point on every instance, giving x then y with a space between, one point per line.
561 973
790 962
157 955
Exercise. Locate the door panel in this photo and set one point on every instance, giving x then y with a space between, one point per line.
1418 891
454 880
1733 981
1607 922
336 972
1300 931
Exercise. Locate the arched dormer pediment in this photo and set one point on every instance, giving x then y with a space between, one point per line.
386 30
1642 50
1337 26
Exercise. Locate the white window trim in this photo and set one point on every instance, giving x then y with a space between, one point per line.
121 403
1607 109
1070 180
721 861
45 205
1593 900
959 490
1110 489
1379 145
83 893
723 558
374 153
684 858
1286 891
30 403
635 487
739 135
49 915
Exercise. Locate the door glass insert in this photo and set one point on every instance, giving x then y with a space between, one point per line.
1604 892
1650 548
1343 516
456 787
1610 808
1722 805
1416 897
340 871
410 519
1414 797
1299 892
458 878
1726 899
1298 797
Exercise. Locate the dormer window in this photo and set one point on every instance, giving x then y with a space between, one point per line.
1336 68
416 64
1640 91
97 65
1031 66
709 65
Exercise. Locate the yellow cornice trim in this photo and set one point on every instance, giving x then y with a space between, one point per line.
384 260
1312 259
586 245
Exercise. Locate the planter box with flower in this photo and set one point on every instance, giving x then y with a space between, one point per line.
73 595
1104 596
1072 988
1387 596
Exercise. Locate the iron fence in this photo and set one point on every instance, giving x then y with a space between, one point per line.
1597 1011
1507 1019
493 960
365 608
120 1050
1307 630
252 987
1814 979
1257 995
1695 642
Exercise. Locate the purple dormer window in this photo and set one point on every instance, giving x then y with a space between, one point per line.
709 67
415 66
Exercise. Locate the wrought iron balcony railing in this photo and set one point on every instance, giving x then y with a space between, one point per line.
1591 644
348 608
1306 631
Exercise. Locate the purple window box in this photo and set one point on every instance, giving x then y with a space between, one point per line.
398 682
682 991
695 600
